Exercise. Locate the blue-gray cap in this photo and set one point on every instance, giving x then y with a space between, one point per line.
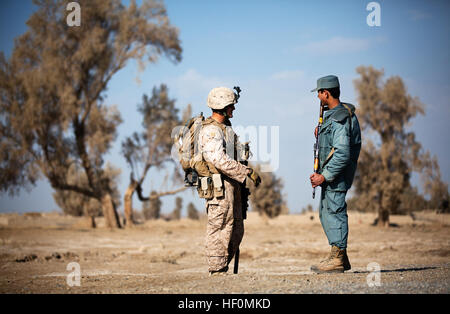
327 82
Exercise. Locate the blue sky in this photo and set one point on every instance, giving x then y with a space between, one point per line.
276 50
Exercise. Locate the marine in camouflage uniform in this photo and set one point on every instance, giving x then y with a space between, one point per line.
220 148
339 148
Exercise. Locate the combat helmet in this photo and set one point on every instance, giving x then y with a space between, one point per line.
220 97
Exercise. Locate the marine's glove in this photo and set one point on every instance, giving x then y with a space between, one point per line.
254 176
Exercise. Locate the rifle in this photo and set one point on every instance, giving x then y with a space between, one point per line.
245 193
316 146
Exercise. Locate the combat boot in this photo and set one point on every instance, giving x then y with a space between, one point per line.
219 272
347 265
333 264
325 260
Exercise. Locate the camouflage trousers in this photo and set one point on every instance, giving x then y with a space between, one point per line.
225 228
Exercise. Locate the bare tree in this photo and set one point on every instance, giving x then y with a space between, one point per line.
390 152
152 208
434 186
52 91
186 114
152 147
192 212
176 214
308 209
77 204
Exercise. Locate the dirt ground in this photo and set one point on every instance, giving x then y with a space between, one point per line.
168 256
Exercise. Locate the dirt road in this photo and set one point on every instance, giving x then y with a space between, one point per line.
168 257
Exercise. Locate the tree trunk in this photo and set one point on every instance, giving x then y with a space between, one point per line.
128 204
109 212
383 218
108 206
92 222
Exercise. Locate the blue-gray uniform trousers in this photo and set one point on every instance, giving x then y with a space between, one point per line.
333 217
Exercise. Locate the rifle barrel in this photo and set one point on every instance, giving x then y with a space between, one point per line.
236 261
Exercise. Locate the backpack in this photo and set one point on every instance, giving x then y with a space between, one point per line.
189 155
186 140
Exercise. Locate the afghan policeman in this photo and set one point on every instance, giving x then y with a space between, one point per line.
339 148
220 149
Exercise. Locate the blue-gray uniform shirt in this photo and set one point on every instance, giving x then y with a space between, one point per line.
339 147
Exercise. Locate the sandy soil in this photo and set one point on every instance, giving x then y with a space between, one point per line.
168 257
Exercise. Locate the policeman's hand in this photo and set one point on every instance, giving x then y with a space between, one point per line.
316 179
254 176
315 131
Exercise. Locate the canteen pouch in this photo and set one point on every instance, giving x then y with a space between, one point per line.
205 189
218 185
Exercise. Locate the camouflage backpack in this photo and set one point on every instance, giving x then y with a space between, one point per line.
189 155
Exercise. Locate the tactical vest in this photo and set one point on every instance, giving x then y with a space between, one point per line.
211 181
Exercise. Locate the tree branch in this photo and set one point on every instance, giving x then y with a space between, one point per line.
155 196
70 187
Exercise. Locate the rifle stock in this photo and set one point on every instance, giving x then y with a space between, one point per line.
236 261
